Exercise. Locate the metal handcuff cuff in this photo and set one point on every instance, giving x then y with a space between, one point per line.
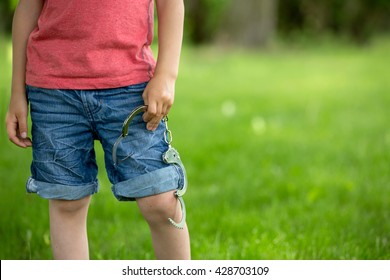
171 156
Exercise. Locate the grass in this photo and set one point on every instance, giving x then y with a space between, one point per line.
287 153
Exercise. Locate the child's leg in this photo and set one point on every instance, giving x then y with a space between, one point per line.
169 242
68 229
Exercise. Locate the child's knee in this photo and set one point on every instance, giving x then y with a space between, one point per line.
157 209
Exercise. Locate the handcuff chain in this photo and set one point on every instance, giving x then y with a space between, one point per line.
167 133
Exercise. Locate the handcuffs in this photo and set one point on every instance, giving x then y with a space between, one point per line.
170 156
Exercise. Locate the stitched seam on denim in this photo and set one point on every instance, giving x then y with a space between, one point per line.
88 111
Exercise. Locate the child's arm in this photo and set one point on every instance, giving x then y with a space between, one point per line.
159 94
25 20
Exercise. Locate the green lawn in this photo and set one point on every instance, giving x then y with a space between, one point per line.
287 153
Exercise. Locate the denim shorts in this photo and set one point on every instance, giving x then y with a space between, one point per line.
65 124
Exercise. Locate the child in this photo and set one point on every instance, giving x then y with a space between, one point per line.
83 66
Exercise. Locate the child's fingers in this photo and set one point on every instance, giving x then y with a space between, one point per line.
159 102
14 132
153 123
23 129
153 115
150 111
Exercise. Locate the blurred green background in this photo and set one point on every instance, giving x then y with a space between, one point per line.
282 119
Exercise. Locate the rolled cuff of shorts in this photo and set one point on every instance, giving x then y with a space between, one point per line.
156 182
58 191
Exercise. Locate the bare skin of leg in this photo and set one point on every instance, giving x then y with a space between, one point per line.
169 242
68 229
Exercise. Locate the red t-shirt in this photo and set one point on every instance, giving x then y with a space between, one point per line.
90 44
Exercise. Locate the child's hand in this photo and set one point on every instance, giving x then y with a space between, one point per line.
16 122
158 96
